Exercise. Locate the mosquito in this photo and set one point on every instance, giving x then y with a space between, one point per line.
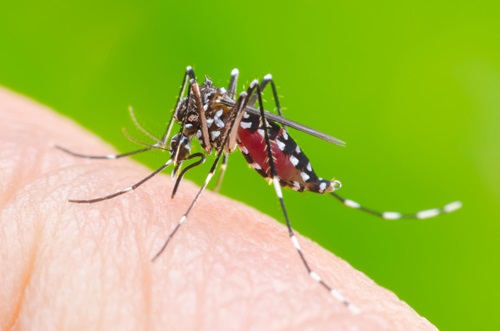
220 122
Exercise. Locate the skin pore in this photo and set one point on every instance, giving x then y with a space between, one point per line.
88 266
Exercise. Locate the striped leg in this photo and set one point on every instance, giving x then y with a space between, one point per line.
276 183
269 79
392 215
201 160
223 168
125 190
189 73
195 88
108 156
233 82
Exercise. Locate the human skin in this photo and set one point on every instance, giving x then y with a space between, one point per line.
67 266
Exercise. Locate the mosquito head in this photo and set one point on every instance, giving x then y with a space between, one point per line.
180 147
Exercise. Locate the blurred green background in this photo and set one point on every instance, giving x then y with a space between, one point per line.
413 88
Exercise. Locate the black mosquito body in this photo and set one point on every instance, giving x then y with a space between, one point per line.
220 122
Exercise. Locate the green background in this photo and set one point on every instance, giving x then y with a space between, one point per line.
413 88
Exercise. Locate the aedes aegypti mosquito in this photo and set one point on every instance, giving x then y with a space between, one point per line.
220 122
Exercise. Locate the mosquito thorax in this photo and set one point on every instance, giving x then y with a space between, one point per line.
187 110
216 114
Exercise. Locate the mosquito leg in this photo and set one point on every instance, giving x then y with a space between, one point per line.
239 106
392 215
183 124
223 169
269 79
201 112
231 92
106 157
276 183
189 73
183 172
125 190
232 130
232 83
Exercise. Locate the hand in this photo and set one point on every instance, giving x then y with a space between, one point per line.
69 266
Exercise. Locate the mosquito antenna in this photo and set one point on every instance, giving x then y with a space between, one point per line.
140 127
179 97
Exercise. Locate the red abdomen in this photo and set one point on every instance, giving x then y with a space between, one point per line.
254 143
292 166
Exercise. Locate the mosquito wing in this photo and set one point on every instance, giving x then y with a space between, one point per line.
290 123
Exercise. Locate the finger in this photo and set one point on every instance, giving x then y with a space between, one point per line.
69 266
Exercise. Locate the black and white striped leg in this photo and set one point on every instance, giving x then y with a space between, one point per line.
195 88
127 189
223 168
276 183
269 79
201 160
392 215
108 156
189 73
240 104
233 82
